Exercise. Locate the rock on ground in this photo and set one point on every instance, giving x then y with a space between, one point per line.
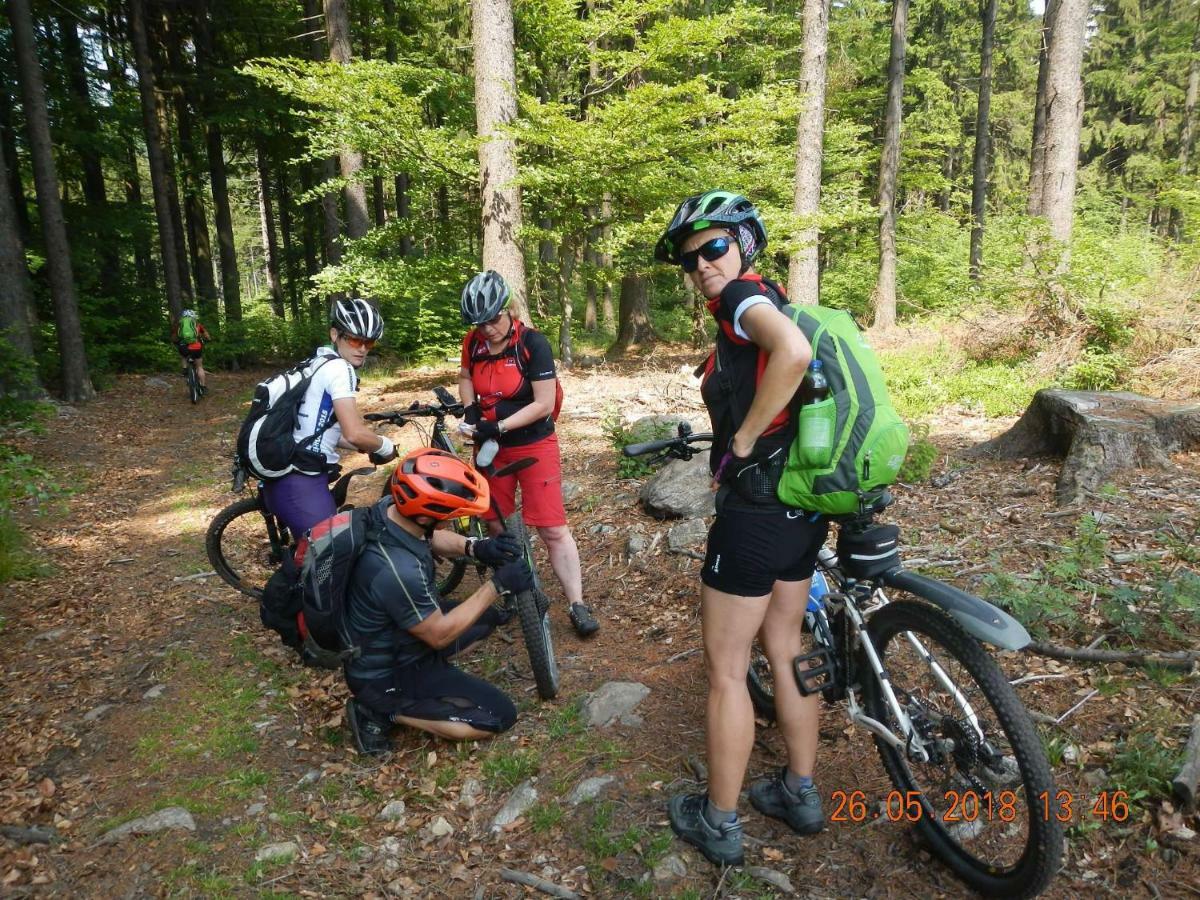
589 789
668 869
171 817
470 793
687 534
613 702
392 812
518 802
680 490
277 852
777 880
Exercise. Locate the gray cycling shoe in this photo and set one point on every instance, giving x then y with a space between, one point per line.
370 734
802 812
721 845
584 622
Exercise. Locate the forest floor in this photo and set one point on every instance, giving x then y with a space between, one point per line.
131 683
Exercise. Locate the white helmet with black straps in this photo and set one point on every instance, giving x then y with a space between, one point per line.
188 314
483 298
357 318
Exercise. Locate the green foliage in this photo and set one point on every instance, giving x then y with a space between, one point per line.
922 454
23 485
1143 767
507 767
621 436
922 381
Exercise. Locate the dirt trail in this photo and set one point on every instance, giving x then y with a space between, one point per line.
130 685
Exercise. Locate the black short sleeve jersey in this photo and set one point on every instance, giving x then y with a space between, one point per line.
392 589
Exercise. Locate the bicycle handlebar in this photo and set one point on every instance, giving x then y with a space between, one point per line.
679 447
447 406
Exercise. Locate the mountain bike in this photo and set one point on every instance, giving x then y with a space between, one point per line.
905 655
532 607
195 390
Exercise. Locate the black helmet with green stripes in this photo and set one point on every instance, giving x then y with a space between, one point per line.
714 209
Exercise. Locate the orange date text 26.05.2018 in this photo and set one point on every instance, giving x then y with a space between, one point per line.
972 806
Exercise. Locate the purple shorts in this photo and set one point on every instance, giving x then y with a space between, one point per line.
299 501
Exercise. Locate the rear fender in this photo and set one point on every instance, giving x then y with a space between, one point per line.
977 617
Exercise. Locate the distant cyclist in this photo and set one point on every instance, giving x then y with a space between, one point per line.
403 675
328 417
188 335
508 384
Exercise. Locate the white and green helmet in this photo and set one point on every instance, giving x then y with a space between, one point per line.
714 209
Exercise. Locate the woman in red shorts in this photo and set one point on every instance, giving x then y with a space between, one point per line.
509 387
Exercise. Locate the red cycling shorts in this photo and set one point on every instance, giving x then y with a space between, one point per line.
541 483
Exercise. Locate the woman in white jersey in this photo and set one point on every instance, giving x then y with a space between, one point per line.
329 417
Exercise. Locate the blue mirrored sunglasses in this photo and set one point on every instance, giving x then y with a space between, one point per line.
710 250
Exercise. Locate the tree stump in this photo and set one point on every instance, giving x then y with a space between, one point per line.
1097 433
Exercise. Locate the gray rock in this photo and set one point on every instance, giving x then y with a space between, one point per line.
570 490
470 793
171 817
93 714
655 428
1070 754
613 702
687 534
53 634
1096 779
439 827
637 543
393 812
680 490
589 789
65 411
256 809
777 880
602 528
668 869
312 776
280 852
156 382
155 692
518 802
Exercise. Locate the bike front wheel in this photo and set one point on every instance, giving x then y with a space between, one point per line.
533 609
246 546
193 382
449 571
986 793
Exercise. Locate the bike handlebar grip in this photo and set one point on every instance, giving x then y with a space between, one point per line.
647 447
376 417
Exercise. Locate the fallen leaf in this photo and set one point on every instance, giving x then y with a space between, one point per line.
46 787
316 849
772 854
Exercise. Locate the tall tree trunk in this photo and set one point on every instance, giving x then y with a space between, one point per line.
143 255
285 232
76 383
402 199
308 230
568 255
1064 118
94 192
607 315
1037 153
635 328
156 157
979 170
337 31
495 110
193 192
8 138
331 228
885 290
591 260
1187 135
16 297
804 273
267 221
548 270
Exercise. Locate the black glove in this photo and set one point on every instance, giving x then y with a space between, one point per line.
496 615
755 477
513 577
472 414
385 454
486 429
497 551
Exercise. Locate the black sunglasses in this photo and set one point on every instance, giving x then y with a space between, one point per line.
711 250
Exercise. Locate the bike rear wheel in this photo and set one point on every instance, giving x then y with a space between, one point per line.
193 382
245 546
761 682
449 571
533 609
985 790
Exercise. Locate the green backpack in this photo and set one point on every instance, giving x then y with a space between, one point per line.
870 440
188 333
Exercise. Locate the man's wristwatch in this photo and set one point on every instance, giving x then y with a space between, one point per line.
469 550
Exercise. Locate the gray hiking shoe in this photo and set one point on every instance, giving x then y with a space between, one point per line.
802 812
721 845
370 734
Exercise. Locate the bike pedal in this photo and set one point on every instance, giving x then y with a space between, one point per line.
815 671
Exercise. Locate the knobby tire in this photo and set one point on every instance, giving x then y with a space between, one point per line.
244 558
534 614
193 382
1007 728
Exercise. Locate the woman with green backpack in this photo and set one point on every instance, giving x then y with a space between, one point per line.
761 553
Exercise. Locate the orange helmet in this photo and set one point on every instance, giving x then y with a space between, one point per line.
438 484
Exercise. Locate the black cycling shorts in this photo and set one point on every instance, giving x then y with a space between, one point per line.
748 551
439 691
189 353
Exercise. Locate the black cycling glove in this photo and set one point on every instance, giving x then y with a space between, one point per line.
497 551
472 414
486 429
513 577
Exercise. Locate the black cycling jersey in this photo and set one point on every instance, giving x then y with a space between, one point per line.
392 589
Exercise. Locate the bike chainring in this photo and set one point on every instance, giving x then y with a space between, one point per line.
967 745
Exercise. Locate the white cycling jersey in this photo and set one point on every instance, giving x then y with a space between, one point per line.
335 379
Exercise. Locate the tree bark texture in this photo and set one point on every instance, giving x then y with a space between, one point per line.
1098 433
979 168
568 258
76 383
287 256
8 137
1064 118
402 180
495 110
94 192
16 292
607 315
156 157
267 222
635 328
337 31
1187 137
1037 153
885 289
804 271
